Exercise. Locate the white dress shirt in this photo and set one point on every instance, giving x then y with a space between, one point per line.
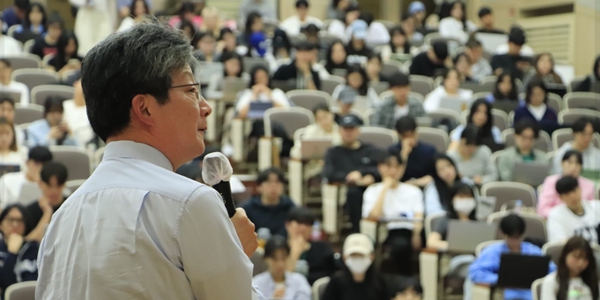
137 230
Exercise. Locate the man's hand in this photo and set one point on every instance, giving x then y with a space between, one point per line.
407 145
14 243
298 244
245 231
45 205
366 180
55 132
353 177
304 67
477 179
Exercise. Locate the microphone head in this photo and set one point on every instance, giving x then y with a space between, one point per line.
216 168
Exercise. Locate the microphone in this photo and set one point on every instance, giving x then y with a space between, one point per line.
216 172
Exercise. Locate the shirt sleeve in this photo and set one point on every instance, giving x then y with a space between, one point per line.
303 289
556 228
280 97
370 197
432 199
505 167
548 288
485 268
211 253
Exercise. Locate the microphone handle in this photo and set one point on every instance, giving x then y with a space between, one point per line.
224 188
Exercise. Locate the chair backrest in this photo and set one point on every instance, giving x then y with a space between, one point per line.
569 116
555 102
24 61
485 244
28 113
507 192
543 142
391 67
443 113
431 220
309 99
500 119
40 93
77 161
318 288
34 77
536 289
380 86
563 135
251 62
421 84
553 250
435 137
535 226
291 118
582 100
21 291
488 83
328 85
575 83
327 39
361 103
379 137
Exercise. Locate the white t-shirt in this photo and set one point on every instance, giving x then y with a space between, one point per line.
578 290
292 25
10 46
76 118
433 99
403 201
453 28
277 95
563 223
18 87
400 111
537 112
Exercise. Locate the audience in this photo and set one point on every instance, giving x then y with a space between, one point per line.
391 200
227 42
505 90
456 25
18 254
139 10
318 255
417 156
187 12
75 116
300 69
15 14
8 85
487 21
583 135
484 270
573 217
342 26
407 23
260 91
576 276
439 194
416 9
34 24
357 50
23 186
450 88
353 163
266 8
357 80
335 62
324 127
337 9
407 289
571 165
526 132
232 68
11 159
276 281
473 159
481 117
511 62
431 62
359 279
66 59
544 70
591 82
399 44
205 44
293 24
535 108
399 104
373 69
52 129
462 64
211 21
480 67
270 208
47 43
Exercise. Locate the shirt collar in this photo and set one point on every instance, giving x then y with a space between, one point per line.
130 149
531 154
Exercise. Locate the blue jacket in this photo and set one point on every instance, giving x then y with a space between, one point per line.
485 268
272 217
18 267
420 162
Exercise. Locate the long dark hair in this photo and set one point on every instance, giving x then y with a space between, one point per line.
61 57
27 22
399 30
132 8
512 95
248 26
446 11
589 276
228 56
253 75
486 129
364 88
329 64
535 82
443 189
27 219
461 188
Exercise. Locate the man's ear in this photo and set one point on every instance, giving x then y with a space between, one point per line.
141 109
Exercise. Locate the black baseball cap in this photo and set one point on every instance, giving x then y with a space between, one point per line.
351 120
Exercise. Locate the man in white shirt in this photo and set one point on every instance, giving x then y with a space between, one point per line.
135 229
583 134
9 46
293 24
75 115
7 85
573 217
22 187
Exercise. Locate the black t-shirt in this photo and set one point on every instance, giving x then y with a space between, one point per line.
508 63
41 48
60 63
321 262
342 287
36 211
421 65
357 57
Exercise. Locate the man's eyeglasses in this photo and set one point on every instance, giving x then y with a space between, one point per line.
195 84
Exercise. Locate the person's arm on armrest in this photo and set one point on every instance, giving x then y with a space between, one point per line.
435 241
485 268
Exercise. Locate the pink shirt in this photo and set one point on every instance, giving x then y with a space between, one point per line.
549 198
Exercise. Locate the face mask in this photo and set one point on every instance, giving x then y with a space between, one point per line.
464 205
358 265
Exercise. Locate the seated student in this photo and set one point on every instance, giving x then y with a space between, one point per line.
359 279
427 63
373 69
418 156
212 21
583 134
487 21
260 90
407 289
473 159
544 70
456 25
48 42
205 44
408 24
232 68
576 276
277 281
480 116
270 208
66 59
484 270
480 67
526 132
572 163
505 90
318 255
535 108
187 12
393 199
11 159
462 64
400 104
18 255
8 85
439 193
399 44
354 164
591 81
573 217
450 88
23 186
357 50
511 62
227 42
324 127
300 69
52 129
356 79
34 24
293 24
335 61
52 183
138 11
76 116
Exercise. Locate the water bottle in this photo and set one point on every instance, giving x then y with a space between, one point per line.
316 234
518 206
264 234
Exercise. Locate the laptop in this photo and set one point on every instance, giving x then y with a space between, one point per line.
558 89
463 237
520 271
491 41
314 148
455 104
506 106
530 173
257 109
